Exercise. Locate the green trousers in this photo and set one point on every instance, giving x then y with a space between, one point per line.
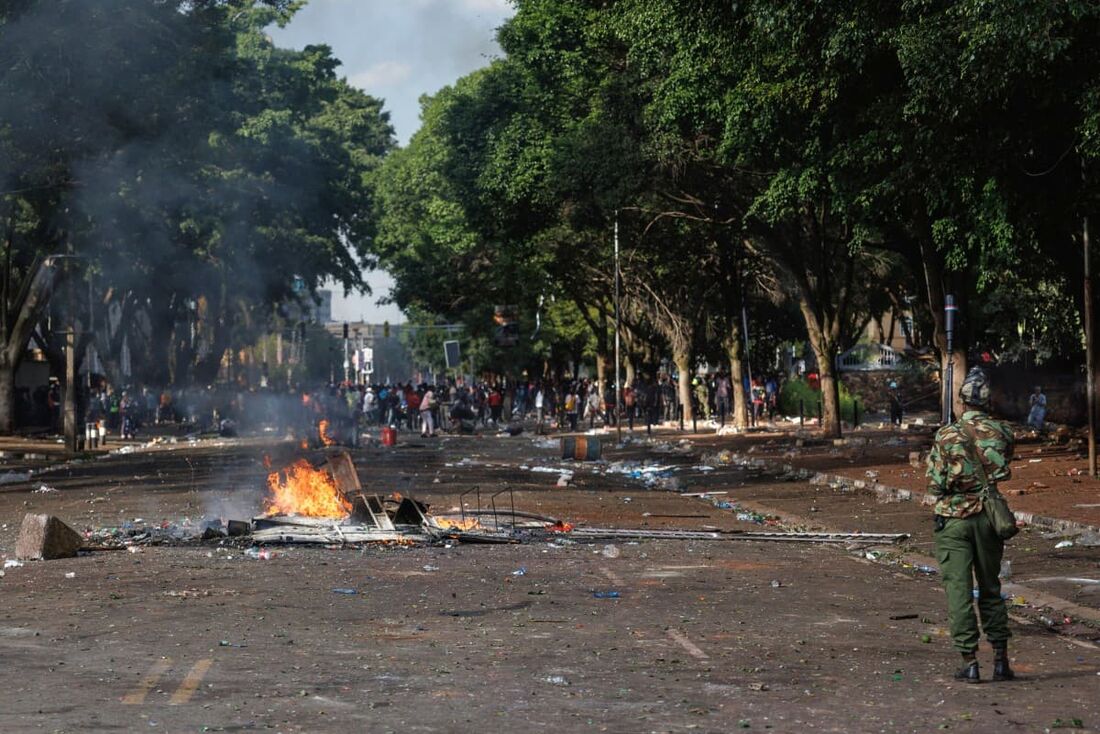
969 554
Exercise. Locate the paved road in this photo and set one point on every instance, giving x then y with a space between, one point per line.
701 637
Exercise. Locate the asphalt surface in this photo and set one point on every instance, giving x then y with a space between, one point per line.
702 635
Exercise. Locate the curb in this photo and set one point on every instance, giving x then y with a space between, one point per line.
847 484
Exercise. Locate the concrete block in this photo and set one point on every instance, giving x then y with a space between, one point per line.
44 538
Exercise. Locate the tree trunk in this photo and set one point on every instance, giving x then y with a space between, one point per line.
934 290
18 334
683 383
823 343
735 353
7 395
601 372
830 398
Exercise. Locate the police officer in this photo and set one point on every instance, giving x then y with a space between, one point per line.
973 451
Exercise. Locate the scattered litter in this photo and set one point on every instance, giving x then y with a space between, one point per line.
606 594
611 551
429 568
927 569
71 575
261 554
346 592
44 489
521 571
556 680
758 686
1064 544
776 583
899 617
1034 461
12 563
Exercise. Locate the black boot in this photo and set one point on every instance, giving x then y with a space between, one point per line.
969 671
1001 669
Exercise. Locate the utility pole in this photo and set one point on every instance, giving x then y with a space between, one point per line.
1090 374
949 309
347 363
618 324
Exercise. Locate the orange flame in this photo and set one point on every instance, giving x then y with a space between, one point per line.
299 489
322 429
469 523
267 462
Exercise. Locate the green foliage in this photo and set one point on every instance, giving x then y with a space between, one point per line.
186 159
794 391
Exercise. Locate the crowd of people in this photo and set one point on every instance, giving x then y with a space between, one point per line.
453 406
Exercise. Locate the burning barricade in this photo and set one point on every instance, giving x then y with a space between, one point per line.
327 505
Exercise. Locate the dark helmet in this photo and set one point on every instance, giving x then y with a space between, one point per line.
975 388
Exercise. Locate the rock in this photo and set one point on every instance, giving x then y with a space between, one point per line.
916 459
44 537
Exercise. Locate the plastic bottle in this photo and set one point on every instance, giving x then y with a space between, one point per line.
1006 569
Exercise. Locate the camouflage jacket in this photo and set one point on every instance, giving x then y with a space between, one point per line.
952 476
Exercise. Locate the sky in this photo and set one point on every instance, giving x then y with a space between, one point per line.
397 50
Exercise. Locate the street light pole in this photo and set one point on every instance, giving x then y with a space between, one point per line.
618 324
1090 374
949 309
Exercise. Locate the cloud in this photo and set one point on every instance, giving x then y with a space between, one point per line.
381 75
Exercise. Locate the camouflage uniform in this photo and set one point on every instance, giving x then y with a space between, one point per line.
967 548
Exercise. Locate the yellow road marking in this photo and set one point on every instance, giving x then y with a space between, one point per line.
141 690
191 682
679 638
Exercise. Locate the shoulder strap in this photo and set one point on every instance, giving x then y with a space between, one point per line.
972 442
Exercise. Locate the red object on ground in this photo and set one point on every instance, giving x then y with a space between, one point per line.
389 436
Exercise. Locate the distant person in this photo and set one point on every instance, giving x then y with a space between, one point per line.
427 405
893 396
1037 413
628 403
722 397
540 406
572 405
967 456
127 408
771 392
496 405
593 403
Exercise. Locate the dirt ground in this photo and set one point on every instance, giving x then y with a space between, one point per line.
704 635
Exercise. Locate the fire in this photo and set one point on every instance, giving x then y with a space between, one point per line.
299 489
322 430
469 523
